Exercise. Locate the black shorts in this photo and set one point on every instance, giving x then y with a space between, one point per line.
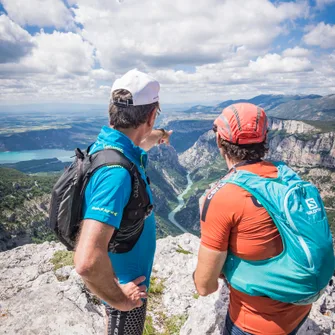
126 323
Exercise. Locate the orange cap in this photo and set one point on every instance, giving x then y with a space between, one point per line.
242 123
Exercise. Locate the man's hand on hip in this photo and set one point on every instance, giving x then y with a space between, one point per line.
134 292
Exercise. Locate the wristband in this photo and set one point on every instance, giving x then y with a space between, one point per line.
163 132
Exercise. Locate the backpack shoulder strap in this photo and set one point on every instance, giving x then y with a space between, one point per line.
285 173
108 157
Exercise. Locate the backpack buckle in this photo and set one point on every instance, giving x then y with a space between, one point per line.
148 210
79 153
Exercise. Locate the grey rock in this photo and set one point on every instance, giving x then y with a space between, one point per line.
64 272
34 301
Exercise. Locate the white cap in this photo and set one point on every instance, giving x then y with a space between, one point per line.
143 88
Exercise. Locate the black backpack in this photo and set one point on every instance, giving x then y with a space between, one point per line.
65 214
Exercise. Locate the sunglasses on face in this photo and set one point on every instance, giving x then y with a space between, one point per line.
215 128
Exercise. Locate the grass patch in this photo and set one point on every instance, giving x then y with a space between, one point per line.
62 258
169 325
174 324
181 250
148 327
156 286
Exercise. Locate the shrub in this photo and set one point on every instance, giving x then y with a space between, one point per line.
62 258
181 250
156 286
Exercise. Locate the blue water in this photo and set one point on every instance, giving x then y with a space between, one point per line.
27 155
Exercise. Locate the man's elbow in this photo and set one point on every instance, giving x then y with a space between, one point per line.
83 266
207 289
83 269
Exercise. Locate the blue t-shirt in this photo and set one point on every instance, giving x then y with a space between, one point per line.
105 198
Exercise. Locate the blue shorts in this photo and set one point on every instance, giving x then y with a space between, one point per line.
231 329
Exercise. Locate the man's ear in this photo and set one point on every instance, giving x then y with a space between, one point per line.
218 140
152 118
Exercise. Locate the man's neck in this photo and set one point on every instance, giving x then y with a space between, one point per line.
231 163
234 164
136 135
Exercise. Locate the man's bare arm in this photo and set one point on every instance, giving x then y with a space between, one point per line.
208 270
157 136
94 266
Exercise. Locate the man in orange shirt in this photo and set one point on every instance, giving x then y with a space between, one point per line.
232 219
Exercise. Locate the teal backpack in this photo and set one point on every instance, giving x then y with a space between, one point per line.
300 274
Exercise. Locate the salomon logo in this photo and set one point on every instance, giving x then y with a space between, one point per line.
313 206
311 203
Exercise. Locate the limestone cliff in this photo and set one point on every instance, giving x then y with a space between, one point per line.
38 296
296 142
308 147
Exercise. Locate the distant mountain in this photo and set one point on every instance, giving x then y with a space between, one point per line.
77 135
271 101
186 132
37 165
266 101
227 103
199 109
321 108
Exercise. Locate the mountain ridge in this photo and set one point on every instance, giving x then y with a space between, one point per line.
282 106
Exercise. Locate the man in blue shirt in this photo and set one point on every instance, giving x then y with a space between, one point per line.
121 279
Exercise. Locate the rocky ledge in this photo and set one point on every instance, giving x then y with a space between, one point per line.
40 294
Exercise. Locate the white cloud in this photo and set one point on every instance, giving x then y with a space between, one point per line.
296 52
42 88
323 3
59 68
41 13
198 50
274 63
103 75
15 42
149 34
57 54
322 35
61 53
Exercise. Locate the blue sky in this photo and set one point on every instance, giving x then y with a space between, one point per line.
204 51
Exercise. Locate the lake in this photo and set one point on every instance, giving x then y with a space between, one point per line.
27 155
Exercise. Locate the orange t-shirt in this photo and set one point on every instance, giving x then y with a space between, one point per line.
234 219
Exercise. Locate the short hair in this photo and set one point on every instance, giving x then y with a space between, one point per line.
244 151
128 116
